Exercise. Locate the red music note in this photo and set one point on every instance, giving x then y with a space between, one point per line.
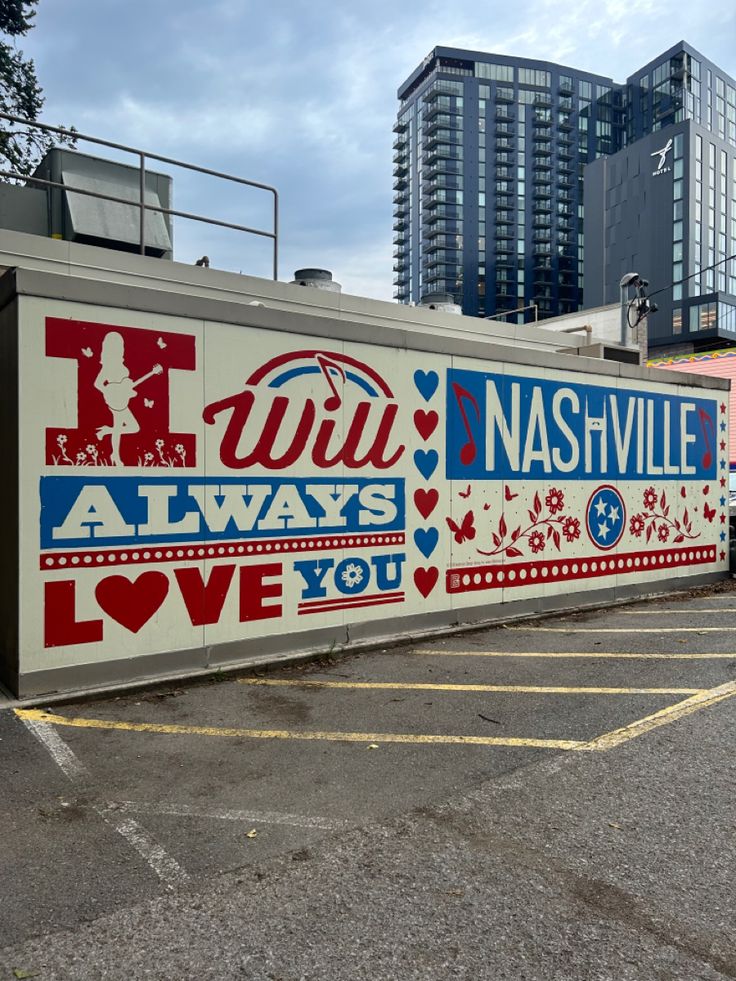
469 450
705 421
332 401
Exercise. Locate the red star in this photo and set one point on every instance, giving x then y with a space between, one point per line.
723 481
723 556
723 445
723 408
723 519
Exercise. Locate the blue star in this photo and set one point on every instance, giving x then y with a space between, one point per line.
723 464
723 502
723 427
723 536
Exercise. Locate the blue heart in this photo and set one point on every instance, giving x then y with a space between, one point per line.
426 382
426 462
426 540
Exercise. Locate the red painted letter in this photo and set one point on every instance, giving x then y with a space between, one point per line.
253 591
60 624
204 601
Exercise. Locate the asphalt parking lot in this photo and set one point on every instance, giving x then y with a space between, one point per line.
112 802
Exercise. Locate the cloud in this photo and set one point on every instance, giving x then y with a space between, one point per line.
302 94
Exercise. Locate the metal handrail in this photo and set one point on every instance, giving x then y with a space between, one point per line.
144 155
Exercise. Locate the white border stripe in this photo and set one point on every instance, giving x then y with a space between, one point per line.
62 754
228 814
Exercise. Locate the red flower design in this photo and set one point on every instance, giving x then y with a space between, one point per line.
571 529
636 525
555 500
536 541
650 498
663 533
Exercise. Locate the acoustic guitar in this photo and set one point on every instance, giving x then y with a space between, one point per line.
118 394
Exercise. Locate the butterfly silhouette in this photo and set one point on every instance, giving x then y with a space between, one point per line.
465 493
463 531
708 512
87 352
507 493
149 403
161 343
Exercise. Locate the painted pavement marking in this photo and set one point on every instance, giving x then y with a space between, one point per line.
228 814
165 867
648 613
415 686
625 630
671 714
352 737
62 754
626 655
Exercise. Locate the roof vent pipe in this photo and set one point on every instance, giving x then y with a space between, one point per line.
440 301
319 279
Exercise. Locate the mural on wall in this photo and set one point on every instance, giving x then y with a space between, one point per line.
219 483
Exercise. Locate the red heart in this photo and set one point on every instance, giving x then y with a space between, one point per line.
132 603
426 501
425 422
426 579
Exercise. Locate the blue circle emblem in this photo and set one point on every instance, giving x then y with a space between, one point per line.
605 517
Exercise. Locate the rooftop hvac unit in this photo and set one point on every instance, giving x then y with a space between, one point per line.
61 213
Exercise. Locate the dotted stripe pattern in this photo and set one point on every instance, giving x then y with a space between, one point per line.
179 553
477 578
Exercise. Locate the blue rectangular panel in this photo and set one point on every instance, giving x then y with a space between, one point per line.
512 427
81 511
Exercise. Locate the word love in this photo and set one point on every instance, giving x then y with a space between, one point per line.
129 510
133 602
503 426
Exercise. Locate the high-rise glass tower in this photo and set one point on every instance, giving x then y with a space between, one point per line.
490 158
488 164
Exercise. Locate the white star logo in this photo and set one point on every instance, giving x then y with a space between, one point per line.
600 506
603 529
613 513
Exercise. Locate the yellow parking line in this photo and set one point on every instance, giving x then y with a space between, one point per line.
625 630
39 715
416 686
702 700
675 656
688 612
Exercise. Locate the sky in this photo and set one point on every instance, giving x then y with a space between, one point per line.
301 95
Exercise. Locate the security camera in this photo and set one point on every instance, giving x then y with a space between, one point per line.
629 279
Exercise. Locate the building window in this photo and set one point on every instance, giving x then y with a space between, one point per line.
533 76
498 73
677 320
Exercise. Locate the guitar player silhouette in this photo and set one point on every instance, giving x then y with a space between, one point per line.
117 389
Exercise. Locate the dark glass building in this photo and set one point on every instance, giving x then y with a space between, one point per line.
665 204
491 158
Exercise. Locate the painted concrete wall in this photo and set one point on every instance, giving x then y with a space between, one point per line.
196 492
711 364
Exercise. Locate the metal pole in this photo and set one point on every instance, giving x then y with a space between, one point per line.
275 236
143 203
624 315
